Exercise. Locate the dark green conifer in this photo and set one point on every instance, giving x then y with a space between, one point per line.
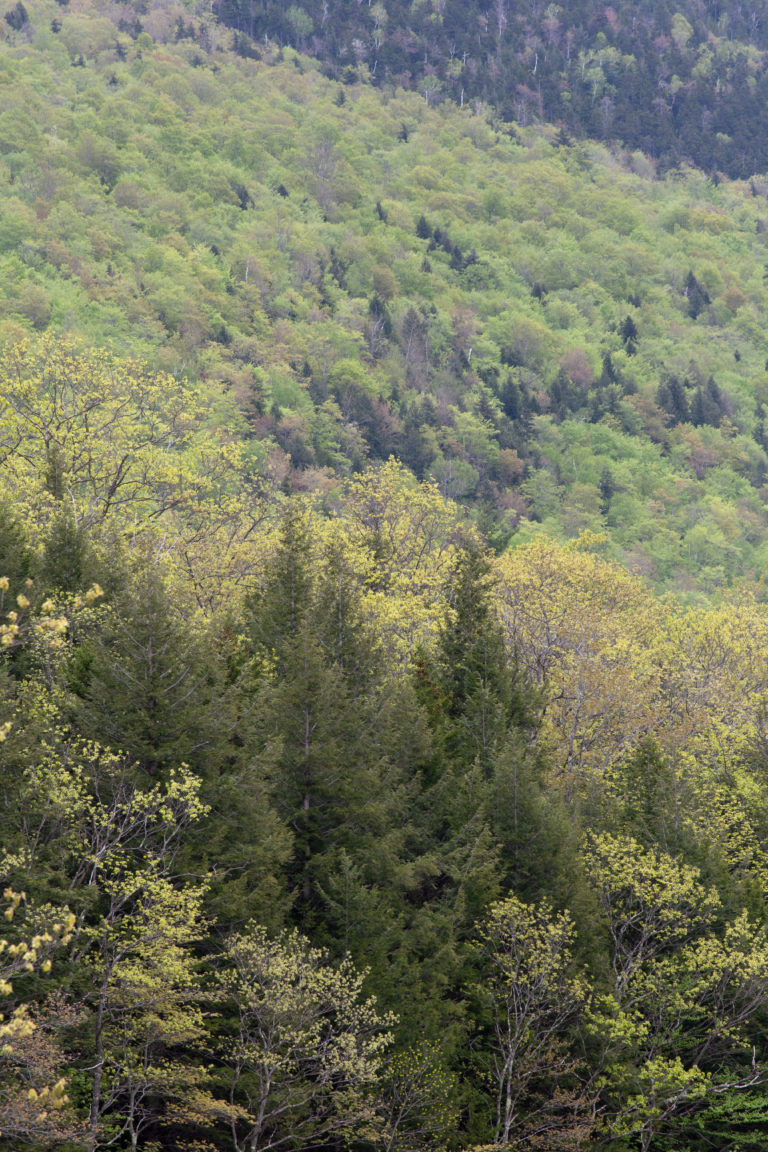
326 731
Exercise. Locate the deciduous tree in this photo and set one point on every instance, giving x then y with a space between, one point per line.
304 1061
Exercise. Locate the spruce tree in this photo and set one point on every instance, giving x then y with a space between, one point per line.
325 732
145 682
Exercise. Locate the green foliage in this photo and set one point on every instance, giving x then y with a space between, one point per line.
334 742
534 996
677 1020
594 71
142 683
419 1099
275 723
306 1047
350 291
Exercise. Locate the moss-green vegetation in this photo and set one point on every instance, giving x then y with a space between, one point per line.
554 334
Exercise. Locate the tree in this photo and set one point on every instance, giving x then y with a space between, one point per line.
589 636
103 432
403 538
121 445
16 557
475 806
132 960
418 1100
696 295
484 773
654 904
34 1106
325 716
16 17
145 682
483 693
535 997
66 558
304 1061
678 1025
672 396
607 488
146 1012
629 334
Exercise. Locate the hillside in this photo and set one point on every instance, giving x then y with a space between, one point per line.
682 82
555 333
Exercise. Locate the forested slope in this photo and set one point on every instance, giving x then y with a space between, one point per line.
261 765
361 785
684 82
554 333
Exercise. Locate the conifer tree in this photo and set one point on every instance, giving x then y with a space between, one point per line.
478 799
65 565
329 744
16 558
145 682
484 695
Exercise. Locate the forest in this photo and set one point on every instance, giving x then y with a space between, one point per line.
684 82
383 617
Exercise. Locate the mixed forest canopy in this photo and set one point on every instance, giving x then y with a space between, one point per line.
558 335
685 82
383 616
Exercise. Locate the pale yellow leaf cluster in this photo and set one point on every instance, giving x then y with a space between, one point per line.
97 430
120 446
395 540
616 664
716 668
132 453
50 929
534 994
403 537
590 635
308 1044
685 987
653 902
